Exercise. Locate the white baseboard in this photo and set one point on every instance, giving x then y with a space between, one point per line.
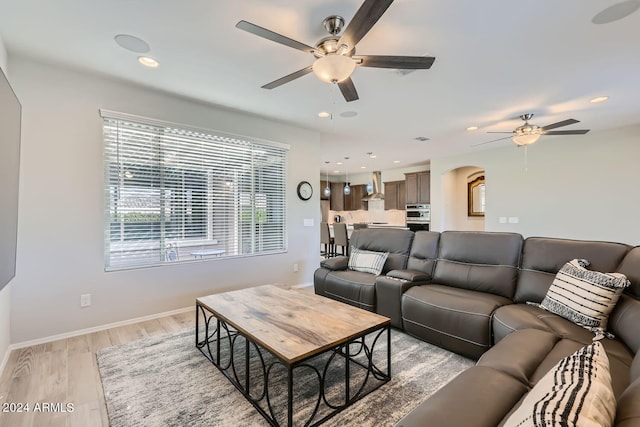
303 285
102 328
91 330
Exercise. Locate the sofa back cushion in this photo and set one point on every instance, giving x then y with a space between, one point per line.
394 241
424 251
624 322
480 261
630 267
543 257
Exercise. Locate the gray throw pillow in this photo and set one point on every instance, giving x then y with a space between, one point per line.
367 261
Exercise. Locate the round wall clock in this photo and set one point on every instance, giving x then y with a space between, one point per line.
305 191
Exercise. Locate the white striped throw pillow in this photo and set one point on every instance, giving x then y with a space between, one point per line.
576 392
367 261
583 296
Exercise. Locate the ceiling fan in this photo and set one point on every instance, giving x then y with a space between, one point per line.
528 134
335 56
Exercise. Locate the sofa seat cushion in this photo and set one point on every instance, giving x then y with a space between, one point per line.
456 319
351 287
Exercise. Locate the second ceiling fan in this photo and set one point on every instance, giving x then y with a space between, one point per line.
528 134
336 57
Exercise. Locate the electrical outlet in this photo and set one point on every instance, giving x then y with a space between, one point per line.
85 300
295 267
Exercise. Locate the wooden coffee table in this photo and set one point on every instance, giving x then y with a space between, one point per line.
251 334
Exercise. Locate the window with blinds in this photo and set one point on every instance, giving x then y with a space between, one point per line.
175 194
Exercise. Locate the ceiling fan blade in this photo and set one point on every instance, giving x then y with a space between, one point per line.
270 35
493 140
560 124
363 20
399 62
567 132
288 78
348 90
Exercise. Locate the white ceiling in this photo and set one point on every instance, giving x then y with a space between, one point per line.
495 59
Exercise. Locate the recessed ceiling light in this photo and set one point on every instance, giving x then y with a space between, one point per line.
396 161
339 163
470 128
148 61
371 155
132 43
363 167
598 99
336 171
324 115
421 138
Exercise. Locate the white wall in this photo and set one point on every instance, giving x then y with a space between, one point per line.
60 250
5 293
582 187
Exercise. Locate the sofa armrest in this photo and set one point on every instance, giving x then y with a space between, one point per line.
336 263
389 290
469 392
410 276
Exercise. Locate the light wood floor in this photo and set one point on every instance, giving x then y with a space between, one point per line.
66 371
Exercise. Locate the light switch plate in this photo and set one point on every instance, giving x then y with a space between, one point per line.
514 220
502 220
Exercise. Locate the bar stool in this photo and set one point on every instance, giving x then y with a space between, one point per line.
340 238
326 240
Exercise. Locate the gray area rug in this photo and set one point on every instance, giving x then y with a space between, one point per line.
166 381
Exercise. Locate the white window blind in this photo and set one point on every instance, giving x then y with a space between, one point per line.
177 194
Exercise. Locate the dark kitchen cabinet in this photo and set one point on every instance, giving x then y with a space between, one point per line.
353 201
336 200
394 195
418 187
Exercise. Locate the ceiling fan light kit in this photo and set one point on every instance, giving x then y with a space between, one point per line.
525 139
333 68
526 134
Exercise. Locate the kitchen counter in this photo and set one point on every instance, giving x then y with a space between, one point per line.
400 227
385 225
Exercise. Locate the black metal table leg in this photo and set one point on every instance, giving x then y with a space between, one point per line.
290 396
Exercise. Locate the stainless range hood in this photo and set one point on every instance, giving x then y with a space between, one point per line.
377 182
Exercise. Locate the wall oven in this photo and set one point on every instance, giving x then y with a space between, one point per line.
418 217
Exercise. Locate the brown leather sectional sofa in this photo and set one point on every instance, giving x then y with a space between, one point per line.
468 292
